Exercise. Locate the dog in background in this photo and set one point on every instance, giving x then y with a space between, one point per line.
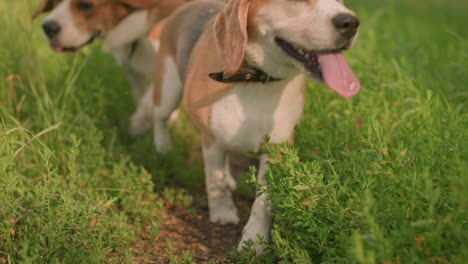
130 29
241 68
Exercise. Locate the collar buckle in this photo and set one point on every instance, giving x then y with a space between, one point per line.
250 75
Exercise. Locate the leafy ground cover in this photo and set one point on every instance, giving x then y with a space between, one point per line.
380 178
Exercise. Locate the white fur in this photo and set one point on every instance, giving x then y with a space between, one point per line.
308 26
171 95
239 122
241 119
219 186
69 35
286 20
141 121
259 222
127 31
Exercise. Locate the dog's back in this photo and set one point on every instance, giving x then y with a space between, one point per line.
184 27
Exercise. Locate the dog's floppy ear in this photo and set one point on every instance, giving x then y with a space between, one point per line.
141 3
230 30
44 6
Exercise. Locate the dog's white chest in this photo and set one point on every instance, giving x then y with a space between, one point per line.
241 119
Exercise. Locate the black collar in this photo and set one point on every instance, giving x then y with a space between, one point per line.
250 74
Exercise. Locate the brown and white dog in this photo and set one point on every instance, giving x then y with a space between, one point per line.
124 25
242 69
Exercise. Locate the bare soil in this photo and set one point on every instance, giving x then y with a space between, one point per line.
190 230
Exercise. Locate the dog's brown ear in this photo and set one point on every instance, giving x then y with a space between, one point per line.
230 30
141 3
44 6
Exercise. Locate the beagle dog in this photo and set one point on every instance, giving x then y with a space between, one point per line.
130 29
242 69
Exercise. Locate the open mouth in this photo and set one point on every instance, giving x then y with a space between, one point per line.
328 66
59 48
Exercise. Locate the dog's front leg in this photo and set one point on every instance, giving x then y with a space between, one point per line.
219 186
259 223
138 82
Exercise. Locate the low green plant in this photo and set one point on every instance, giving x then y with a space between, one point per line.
177 198
170 253
379 178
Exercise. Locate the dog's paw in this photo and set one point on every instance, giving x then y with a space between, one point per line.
139 124
163 146
254 231
162 141
224 216
230 182
259 249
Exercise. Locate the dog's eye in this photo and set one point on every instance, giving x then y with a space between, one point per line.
84 6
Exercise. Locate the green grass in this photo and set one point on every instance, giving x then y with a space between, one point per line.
380 178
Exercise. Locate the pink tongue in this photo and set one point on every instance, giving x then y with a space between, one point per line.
337 75
56 48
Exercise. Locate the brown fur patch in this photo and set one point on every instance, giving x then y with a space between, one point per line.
155 32
159 76
165 7
141 3
231 34
106 14
200 91
45 6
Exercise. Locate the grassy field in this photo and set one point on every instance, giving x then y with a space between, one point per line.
380 178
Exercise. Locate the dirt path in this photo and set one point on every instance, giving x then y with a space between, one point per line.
190 230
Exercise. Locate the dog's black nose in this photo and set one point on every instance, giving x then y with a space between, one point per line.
346 24
51 28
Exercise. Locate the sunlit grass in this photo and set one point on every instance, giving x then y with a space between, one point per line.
377 178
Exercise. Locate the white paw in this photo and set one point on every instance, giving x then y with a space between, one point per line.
139 124
162 141
163 146
224 216
257 247
252 231
230 182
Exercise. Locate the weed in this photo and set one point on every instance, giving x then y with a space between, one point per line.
177 198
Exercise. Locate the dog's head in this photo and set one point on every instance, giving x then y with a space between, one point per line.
304 34
72 24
